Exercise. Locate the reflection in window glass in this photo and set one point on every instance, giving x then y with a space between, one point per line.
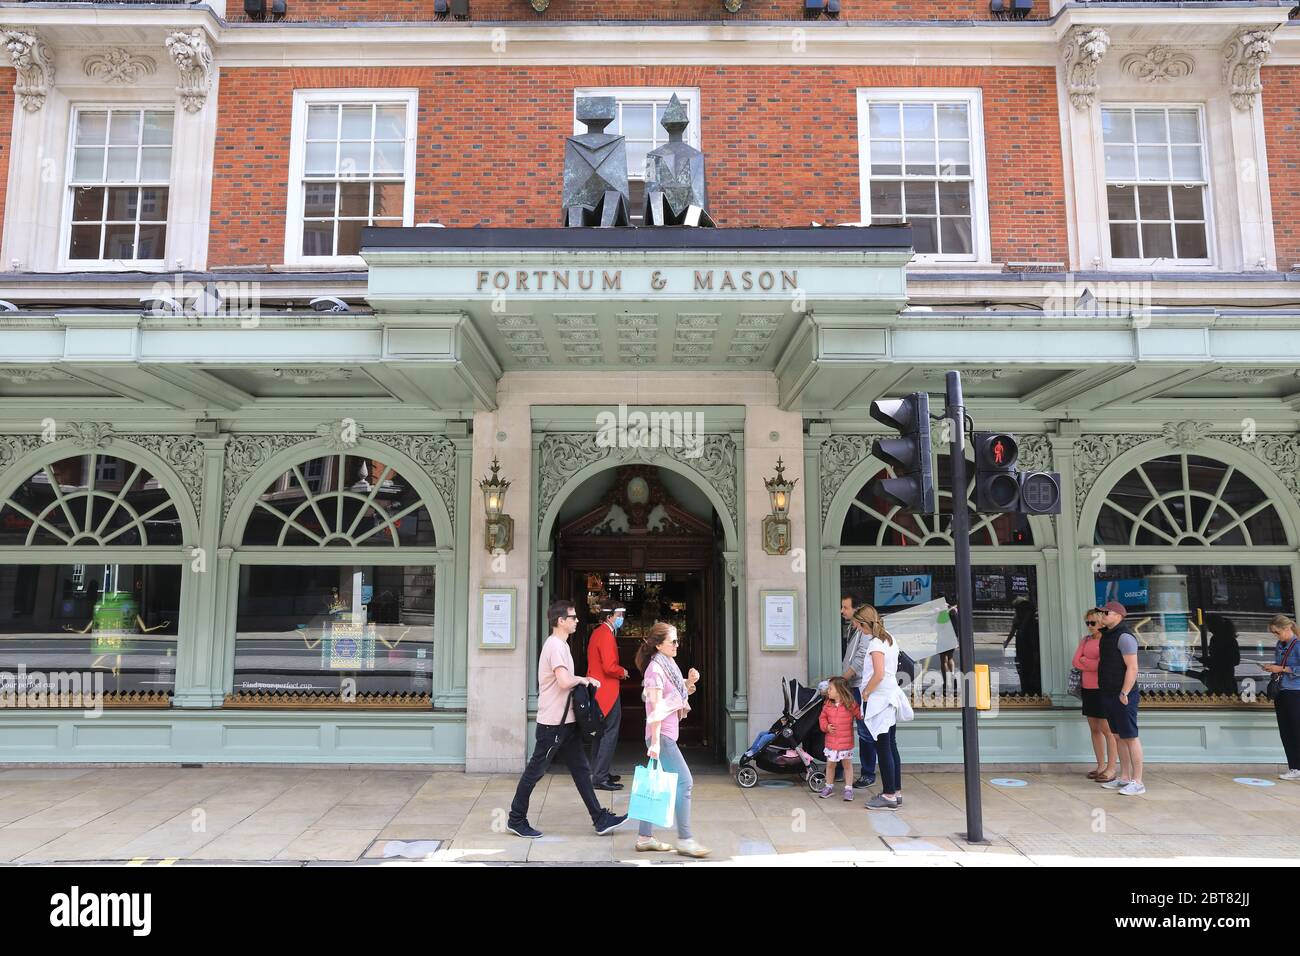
1188 500
1201 630
305 630
115 622
1005 616
340 501
92 499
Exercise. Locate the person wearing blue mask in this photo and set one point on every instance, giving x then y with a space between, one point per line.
602 664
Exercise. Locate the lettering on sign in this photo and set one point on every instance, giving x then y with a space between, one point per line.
611 280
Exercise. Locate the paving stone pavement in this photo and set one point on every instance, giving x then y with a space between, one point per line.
332 816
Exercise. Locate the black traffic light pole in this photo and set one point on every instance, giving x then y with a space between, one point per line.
956 414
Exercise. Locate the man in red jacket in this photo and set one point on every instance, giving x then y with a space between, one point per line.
602 664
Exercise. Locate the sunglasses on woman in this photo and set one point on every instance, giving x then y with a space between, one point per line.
1092 623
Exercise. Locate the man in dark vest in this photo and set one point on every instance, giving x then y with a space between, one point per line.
1117 672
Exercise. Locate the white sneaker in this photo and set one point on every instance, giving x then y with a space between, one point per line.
1289 775
1119 783
692 848
1134 789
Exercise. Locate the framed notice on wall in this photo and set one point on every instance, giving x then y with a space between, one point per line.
497 618
778 620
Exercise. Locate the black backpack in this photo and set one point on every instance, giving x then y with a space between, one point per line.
591 722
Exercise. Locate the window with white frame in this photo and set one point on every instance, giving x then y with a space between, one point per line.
119 184
1156 183
637 116
352 165
922 163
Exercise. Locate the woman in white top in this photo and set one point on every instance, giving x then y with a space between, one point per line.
883 705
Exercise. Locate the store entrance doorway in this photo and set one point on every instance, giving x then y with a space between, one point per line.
639 550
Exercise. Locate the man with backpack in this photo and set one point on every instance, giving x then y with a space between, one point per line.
557 728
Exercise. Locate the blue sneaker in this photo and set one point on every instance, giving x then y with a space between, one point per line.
523 829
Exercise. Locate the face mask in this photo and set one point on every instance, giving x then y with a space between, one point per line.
618 622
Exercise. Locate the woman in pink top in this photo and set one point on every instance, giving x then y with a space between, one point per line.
1086 658
665 692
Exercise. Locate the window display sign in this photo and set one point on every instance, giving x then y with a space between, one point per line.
990 588
1131 592
497 620
1019 583
348 646
902 590
1273 593
923 631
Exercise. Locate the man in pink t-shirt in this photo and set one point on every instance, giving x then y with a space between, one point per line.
557 733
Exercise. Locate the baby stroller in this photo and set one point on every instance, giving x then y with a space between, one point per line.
794 744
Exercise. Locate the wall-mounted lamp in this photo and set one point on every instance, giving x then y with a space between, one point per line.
499 534
732 6
1011 9
776 526
539 6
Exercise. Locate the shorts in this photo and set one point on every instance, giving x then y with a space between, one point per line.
1123 718
837 755
1092 706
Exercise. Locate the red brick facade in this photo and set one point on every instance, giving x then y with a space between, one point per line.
781 144
1282 136
483 11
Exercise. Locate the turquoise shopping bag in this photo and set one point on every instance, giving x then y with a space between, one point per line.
654 795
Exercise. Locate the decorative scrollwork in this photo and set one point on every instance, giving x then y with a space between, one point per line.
119 66
1185 434
183 454
839 455
89 435
1158 64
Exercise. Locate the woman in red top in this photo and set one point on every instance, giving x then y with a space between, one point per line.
838 720
1086 658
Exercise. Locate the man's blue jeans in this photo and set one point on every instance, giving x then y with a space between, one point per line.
866 746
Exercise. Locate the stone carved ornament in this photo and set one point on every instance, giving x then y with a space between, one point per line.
435 454
1243 56
119 66
34 64
1158 64
561 455
1092 453
1083 49
193 59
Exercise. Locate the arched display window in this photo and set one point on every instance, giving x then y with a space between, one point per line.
337 586
893 561
1198 552
91 584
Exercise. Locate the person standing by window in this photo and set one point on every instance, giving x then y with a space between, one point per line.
1117 669
884 705
603 665
1286 662
853 670
557 730
1086 659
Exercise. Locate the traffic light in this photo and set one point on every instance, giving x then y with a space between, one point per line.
1001 487
997 486
912 487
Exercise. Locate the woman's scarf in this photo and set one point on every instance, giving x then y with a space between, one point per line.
674 675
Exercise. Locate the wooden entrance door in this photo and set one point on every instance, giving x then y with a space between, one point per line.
659 563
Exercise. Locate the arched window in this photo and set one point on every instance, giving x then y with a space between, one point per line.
1188 501
93 499
340 501
873 521
328 613
93 621
1201 623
